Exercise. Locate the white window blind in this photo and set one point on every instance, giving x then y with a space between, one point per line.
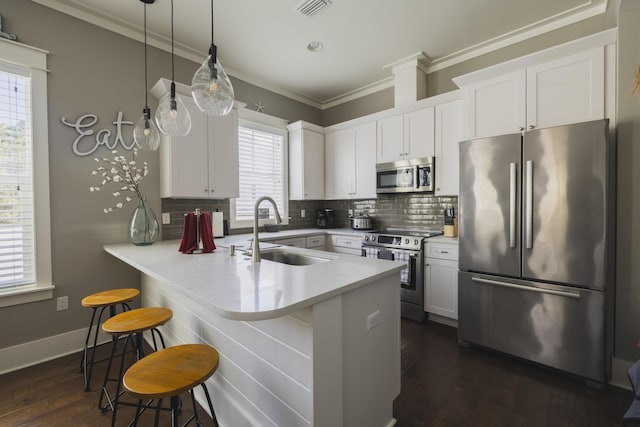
17 249
261 164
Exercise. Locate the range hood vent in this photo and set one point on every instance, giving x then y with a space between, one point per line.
311 7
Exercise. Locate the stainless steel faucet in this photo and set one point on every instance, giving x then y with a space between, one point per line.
255 254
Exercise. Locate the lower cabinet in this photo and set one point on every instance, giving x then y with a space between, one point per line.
347 244
441 279
318 242
298 242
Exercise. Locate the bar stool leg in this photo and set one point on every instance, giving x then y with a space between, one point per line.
213 413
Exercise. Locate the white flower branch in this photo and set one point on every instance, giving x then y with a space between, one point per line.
120 170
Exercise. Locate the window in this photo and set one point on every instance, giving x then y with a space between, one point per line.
262 143
25 237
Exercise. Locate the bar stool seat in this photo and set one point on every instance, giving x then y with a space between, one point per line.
167 373
101 300
131 324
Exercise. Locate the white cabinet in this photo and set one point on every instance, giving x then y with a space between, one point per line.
406 136
318 241
441 279
346 244
204 163
448 132
306 161
566 90
350 163
298 242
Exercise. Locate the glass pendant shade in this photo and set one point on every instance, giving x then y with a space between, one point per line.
211 88
172 116
145 132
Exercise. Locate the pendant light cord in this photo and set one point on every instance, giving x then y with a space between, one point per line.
211 21
146 100
173 75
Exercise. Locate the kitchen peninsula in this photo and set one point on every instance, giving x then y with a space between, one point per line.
312 345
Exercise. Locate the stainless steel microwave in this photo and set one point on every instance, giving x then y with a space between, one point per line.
406 176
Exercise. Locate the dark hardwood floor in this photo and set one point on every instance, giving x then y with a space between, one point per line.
443 384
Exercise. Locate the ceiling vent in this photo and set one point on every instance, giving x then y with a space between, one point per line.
311 7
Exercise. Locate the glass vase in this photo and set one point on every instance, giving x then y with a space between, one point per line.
143 225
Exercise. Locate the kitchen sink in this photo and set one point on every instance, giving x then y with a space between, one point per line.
292 258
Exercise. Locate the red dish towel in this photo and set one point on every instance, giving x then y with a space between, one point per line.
206 233
189 240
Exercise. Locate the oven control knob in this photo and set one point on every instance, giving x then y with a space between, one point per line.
366 238
406 241
415 242
373 238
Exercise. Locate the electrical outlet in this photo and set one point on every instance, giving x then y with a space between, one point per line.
373 320
302 213
62 303
166 218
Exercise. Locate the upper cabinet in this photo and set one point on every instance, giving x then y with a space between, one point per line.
571 83
406 136
350 162
448 133
306 161
204 163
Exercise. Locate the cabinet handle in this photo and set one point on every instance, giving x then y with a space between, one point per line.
520 128
206 190
400 154
531 127
441 252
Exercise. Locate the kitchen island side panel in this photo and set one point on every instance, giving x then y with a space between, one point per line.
264 375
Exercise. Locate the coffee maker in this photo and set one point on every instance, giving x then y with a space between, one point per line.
325 218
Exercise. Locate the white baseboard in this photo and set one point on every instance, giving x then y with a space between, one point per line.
45 349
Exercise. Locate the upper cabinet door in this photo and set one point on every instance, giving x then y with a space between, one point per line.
448 135
419 133
390 139
365 166
223 156
340 160
568 90
184 160
496 106
306 163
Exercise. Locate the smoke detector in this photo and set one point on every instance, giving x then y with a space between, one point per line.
311 7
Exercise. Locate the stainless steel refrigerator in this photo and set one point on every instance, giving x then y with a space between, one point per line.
536 235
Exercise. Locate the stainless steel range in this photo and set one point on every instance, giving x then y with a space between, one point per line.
406 246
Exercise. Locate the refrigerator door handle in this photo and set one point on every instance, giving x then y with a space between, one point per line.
512 205
575 295
529 206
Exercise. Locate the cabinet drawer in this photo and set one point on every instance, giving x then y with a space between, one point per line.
316 241
353 242
298 242
441 251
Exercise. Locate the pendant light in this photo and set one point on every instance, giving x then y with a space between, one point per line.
172 116
145 132
211 87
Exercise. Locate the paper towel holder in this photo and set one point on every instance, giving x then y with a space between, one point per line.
198 249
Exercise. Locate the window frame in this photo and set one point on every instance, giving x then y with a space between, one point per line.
264 122
34 62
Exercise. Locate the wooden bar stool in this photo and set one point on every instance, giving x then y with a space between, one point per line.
130 324
101 300
169 372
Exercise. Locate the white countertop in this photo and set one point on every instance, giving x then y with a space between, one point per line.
237 289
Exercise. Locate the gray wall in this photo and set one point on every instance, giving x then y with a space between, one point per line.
628 233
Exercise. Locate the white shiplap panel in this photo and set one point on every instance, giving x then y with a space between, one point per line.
243 374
